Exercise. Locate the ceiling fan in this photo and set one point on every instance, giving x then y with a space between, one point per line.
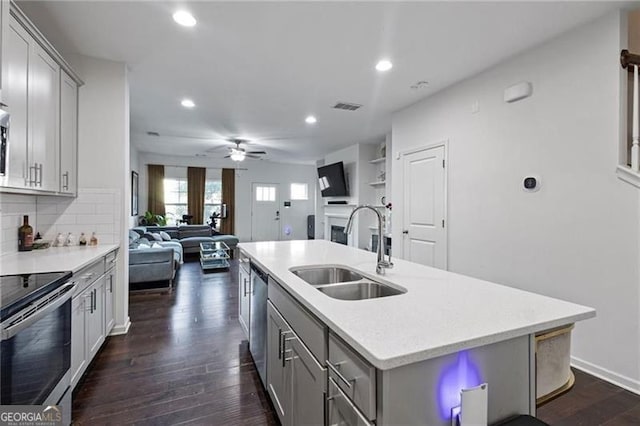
239 154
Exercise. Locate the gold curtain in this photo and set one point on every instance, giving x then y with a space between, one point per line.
155 197
227 225
196 177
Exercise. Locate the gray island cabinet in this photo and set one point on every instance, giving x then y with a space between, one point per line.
401 359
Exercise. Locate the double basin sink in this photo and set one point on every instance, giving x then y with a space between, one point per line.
343 283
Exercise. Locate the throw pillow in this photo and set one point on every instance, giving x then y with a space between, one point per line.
157 236
143 246
165 236
156 245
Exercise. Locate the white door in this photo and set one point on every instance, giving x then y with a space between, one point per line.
424 236
265 212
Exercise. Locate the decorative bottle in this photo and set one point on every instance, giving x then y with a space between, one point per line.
94 240
83 239
25 235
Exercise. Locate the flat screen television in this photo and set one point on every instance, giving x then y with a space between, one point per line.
332 181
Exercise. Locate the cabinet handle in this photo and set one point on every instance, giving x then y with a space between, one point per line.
95 299
339 374
40 181
245 287
65 181
91 304
33 181
279 342
284 348
110 283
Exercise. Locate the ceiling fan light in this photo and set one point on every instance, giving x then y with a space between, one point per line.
237 155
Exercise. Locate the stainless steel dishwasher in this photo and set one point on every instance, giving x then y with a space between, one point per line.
258 321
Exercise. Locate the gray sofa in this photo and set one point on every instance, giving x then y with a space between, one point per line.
190 236
151 261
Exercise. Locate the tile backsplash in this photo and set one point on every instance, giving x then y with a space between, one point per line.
93 210
12 208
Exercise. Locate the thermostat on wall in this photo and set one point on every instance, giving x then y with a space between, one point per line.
531 184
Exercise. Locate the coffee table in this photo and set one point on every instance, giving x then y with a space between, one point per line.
214 255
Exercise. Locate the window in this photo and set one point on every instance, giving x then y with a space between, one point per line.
299 191
212 198
265 193
175 198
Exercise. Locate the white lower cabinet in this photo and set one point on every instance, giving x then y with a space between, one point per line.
296 382
92 314
244 293
109 317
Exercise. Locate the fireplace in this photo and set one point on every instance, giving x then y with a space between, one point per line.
338 235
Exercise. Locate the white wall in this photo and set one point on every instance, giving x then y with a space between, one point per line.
103 154
577 238
134 164
294 217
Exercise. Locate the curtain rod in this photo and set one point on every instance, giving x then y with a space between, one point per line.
217 168
627 59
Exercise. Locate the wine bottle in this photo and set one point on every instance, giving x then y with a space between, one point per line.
25 235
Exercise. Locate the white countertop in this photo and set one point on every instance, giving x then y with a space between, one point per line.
441 312
53 259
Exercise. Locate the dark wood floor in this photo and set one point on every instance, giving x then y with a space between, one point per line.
185 361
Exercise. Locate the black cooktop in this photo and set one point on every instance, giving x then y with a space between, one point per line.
16 291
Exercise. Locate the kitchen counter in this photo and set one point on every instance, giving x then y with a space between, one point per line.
53 259
441 312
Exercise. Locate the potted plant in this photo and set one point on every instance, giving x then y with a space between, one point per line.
150 219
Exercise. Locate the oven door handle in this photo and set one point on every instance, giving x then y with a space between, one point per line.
7 332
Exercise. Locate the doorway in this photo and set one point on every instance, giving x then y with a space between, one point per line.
265 212
424 235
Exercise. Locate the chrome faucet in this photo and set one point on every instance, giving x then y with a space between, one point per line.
382 241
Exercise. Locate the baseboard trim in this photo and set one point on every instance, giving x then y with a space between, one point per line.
602 373
121 329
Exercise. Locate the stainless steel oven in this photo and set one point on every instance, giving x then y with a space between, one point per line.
35 331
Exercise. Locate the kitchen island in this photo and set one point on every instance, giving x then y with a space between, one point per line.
442 325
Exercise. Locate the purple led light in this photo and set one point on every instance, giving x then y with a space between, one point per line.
461 374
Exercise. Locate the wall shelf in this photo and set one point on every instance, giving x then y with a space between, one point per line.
379 183
378 160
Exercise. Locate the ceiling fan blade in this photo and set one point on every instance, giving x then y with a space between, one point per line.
253 156
227 156
256 152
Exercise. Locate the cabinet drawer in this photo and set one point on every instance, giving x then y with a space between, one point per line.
111 259
243 261
341 410
355 376
311 331
89 274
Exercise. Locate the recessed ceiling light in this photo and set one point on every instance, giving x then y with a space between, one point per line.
184 18
384 65
310 120
187 103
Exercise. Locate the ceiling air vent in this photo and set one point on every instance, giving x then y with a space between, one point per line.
347 106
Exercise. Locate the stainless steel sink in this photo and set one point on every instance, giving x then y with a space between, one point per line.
343 283
359 290
326 275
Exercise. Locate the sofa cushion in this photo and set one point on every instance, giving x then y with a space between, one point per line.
188 231
165 236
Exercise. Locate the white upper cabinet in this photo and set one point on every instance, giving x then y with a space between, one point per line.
41 93
15 67
68 134
44 119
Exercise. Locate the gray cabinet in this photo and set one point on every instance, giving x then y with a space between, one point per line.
308 384
296 381
110 279
95 317
68 134
277 330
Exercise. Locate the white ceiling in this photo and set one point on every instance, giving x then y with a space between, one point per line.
256 69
